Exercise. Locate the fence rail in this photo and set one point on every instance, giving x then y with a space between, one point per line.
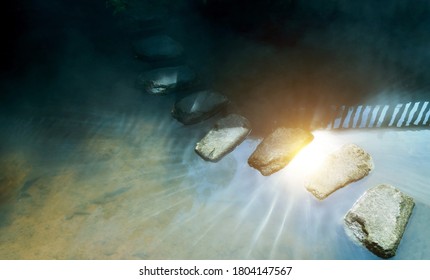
411 114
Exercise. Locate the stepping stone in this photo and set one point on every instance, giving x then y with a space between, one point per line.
227 134
379 218
346 165
165 80
157 48
198 106
278 149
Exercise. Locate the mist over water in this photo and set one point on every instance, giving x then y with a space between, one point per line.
92 168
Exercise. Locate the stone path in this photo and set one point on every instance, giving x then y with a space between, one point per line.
228 133
377 220
278 149
350 163
165 80
199 106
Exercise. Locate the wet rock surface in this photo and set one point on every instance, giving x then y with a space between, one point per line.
346 165
228 133
165 80
157 47
379 218
199 106
278 149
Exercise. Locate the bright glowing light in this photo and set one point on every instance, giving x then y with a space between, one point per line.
312 156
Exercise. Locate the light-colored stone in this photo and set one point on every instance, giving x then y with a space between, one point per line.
198 106
228 133
164 80
379 218
278 149
346 165
157 47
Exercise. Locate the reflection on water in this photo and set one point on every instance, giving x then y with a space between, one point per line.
128 185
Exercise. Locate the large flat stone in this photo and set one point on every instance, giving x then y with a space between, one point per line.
379 218
157 48
278 149
165 80
198 106
346 165
228 133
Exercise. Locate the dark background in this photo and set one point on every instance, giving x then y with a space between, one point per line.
268 56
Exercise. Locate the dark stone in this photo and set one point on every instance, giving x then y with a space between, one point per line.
157 48
164 80
379 218
278 149
227 134
198 106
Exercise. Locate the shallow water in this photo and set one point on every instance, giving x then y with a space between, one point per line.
126 185
91 168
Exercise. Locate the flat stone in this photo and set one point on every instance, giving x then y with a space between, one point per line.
227 134
157 48
198 106
379 218
346 165
165 80
278 149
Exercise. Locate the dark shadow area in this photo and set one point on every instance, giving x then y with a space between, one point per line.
298 57
278 61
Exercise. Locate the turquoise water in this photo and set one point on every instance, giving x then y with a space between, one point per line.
92 168
128 185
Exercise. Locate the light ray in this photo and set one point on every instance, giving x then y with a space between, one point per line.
263 224
287 212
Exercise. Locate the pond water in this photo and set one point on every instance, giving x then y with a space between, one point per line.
128 184
92 168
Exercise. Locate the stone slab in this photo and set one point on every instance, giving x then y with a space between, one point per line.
379 218
348 164
227 134
198 106
157 47
278 149
161 81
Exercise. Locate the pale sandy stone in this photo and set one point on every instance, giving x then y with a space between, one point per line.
278 149
379 218
346 165
228 133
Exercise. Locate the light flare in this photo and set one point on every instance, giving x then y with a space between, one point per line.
311 156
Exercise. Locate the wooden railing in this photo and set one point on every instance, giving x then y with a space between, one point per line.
402 115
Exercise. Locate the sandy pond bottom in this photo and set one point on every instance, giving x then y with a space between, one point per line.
106 183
